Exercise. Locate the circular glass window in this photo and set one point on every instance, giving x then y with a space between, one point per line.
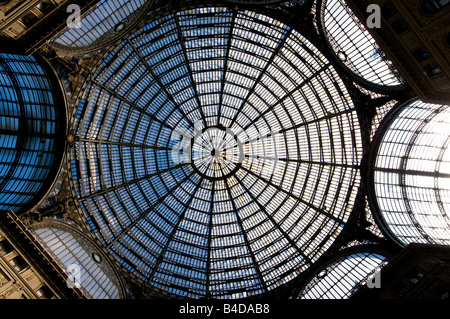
97 258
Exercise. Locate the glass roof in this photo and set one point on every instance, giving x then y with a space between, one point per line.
412 174
218 155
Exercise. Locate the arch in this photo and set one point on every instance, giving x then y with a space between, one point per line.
86 265
344 273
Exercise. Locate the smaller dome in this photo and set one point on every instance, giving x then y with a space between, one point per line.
102 23
410 174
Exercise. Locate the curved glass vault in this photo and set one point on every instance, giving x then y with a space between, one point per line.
411 175
344 274
30 123
218 153
100 24
355 47
79 258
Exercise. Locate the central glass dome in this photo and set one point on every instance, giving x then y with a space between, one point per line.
218 153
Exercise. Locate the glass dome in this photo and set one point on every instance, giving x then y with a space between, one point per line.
218 153
410 171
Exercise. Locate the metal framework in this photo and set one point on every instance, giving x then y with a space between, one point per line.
30 126
218 153
410 174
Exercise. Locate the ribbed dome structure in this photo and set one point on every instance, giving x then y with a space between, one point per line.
218 153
